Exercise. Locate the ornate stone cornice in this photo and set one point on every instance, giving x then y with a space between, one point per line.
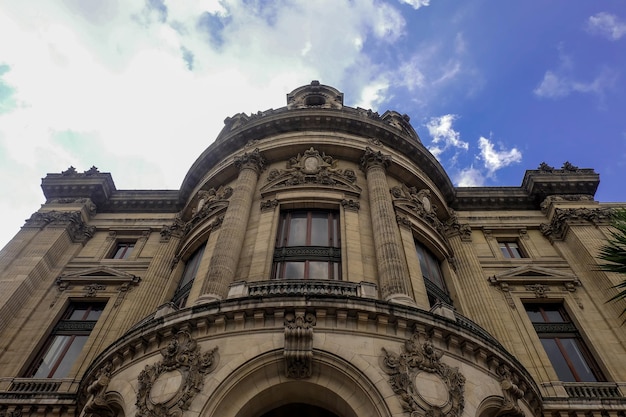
418 370
562 219
299 344
167 388
98 279
78 230
373 158
253 160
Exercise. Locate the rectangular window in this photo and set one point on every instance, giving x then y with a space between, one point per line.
189 275
123 250
510 249
433 278
566 350
66 341
308 245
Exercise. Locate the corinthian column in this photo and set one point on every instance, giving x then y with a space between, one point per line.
225 257
393 273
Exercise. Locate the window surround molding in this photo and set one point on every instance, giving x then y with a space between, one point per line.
529 281
122 235
515 234
97 282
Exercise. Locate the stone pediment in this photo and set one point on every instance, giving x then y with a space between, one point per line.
534 274
311 169
99 274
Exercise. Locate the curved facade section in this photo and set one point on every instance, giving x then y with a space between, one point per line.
316 261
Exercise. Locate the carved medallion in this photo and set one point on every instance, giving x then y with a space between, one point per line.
425 385
167 388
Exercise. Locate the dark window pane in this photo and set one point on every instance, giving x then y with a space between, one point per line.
510 250
66 362
318 270
558 360
577 360
123 250
55 351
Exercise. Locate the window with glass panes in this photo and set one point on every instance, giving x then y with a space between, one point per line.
510 249
433 278
189 275
66 341
123 250
561 340
308 245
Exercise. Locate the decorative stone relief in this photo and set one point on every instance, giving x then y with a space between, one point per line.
511 393
72 220
425 385
350 205
311 168
167 388
253 160
97 405
299 344
557 228
545 204
269 204
373 158
539 290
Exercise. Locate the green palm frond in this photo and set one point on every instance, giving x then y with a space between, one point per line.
614 253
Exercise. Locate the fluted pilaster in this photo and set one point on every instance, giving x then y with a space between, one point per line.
393 273
225 257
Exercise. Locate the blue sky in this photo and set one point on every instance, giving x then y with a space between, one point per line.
492 87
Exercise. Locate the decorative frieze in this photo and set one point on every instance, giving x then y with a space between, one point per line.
312 168
299 344
563 218
350 205
167 388
77 229
424 384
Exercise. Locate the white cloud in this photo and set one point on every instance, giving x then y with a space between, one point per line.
444 136
607 25
416 4
556 85
469 177
495 160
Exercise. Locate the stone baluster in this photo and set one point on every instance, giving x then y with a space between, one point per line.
225 257
393 274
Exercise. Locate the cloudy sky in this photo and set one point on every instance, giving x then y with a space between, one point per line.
140 88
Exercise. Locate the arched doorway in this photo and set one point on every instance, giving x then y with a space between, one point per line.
299 410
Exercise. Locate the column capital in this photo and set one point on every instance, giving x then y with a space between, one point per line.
373 158
253 160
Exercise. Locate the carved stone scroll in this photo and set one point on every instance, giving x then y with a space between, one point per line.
167 388
299 344
425 385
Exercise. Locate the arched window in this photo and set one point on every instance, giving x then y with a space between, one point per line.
308 245
433 277
189 275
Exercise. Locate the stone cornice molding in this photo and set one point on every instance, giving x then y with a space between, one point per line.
72 221
563 218
311 169
93 184
373 158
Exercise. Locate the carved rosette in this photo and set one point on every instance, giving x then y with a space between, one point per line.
299 344
167 388
72 220
425 385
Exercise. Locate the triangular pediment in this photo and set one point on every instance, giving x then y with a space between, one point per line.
534 274
99 274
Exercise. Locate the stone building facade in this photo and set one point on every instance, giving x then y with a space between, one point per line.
317 260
